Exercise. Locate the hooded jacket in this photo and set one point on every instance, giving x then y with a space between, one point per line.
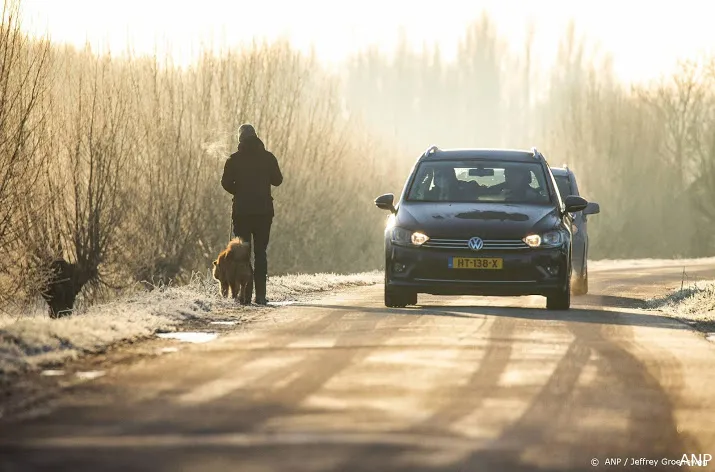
248 175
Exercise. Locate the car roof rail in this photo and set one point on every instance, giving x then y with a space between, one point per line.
431 150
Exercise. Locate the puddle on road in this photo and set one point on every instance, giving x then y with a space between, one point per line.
52 373
289 302
227 323
710 337
166 350
189 337
89 375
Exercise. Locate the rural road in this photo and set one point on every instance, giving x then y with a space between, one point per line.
455 384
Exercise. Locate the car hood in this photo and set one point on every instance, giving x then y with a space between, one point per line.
486 220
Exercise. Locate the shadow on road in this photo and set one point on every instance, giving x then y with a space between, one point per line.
274 458
579 315
599 301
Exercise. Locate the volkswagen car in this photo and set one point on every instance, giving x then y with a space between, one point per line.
487 222
566 182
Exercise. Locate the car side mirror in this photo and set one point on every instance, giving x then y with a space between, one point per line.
592 209
386 202
574 203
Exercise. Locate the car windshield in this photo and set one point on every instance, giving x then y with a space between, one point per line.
479 181
562 181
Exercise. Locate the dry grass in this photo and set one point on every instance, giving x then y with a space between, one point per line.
694 304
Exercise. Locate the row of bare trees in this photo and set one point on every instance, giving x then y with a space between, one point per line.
24 67
110 167
645 152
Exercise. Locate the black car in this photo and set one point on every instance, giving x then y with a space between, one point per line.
479 222
566 181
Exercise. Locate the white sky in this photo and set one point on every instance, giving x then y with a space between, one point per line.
646 38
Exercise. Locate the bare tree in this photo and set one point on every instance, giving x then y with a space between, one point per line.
85 184
701 135
24 67
171 172
677 102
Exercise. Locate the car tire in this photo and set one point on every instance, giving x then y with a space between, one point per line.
398 297
584 284
561 299
580 285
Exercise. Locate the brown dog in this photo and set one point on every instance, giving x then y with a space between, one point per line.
233 270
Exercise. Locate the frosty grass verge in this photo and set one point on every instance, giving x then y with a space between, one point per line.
694 303
32 340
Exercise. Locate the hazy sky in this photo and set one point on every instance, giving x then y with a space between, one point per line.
645 37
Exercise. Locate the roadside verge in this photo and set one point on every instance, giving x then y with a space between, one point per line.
30 341
693 304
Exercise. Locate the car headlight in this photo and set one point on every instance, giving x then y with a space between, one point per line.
550 239
533 240
418 239
404 236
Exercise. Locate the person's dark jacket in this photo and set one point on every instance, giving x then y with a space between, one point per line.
248 175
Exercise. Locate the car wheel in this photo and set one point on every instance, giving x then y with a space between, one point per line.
584 283
398 297
561 299
580 285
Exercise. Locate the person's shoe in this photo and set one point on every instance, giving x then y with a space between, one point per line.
260 286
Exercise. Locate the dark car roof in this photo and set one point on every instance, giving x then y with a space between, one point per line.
459 154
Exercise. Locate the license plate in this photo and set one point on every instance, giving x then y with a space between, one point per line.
476 263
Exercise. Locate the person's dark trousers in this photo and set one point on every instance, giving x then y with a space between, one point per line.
258 227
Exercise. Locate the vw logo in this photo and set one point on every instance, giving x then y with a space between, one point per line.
475 243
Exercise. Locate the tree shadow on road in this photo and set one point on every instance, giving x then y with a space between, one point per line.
601 315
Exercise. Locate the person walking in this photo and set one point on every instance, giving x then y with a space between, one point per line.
248 175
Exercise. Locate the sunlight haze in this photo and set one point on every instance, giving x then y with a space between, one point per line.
374 235
645 39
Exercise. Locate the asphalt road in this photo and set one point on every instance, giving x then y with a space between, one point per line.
456 384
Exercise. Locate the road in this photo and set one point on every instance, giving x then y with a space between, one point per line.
455 384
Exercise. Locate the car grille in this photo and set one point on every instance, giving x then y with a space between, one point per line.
498 244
